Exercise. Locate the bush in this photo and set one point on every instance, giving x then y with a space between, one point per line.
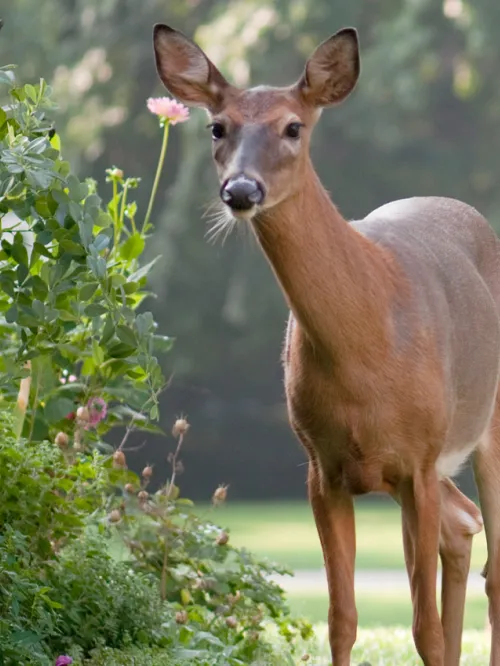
78 358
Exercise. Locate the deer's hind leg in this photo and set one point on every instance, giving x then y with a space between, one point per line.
460 520
487 473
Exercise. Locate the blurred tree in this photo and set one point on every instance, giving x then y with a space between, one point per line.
424 120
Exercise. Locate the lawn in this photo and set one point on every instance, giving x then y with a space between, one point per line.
393 608
285 532
394 647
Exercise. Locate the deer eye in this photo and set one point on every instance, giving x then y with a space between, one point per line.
292 130
218 131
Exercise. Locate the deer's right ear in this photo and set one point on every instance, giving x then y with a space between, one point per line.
186 71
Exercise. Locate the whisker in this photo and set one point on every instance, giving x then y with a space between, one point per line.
220 220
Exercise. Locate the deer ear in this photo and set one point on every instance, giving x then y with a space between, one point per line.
186 71
332 70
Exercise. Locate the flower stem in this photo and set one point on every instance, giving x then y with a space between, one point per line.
115 211
163 151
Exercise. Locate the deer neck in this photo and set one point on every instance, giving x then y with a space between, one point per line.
335 280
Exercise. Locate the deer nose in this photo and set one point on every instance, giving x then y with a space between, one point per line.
242 193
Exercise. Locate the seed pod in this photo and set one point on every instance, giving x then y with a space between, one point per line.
115 516
83 415
62 440
181 426
220 495
222 539
306 657
234 598
119 460
231 622
181 617
130 488
147 472
142 495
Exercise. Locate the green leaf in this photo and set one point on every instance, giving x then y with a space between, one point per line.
101 242
144 270
95 310
19 253
57 408
25 637
11 315
30 92
88 290
133 247
104 220
55 142
126 335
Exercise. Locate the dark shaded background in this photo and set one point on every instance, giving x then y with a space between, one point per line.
424 120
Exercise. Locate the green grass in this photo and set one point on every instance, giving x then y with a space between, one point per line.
394 647
285 532
374 610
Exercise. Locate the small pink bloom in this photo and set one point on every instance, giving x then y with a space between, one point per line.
63 660
169 109
72 378
97 409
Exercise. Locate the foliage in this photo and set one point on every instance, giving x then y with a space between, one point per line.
222 595
70 284
78 360
73 604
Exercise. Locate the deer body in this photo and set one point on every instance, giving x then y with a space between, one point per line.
392 352
356 406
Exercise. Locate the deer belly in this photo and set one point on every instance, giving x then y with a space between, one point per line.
450 462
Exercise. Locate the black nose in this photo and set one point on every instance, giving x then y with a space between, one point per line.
242 193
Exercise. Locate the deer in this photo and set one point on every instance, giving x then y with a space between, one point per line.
391 355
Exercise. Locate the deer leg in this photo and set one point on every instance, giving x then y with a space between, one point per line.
333 511
460 520
420 504
487 473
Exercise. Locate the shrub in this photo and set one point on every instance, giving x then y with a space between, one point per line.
79 356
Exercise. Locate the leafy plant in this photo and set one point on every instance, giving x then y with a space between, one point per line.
79 357
70 284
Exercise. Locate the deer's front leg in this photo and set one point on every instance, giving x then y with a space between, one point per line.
334 515
420 504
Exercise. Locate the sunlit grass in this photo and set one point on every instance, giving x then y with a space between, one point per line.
392 608
394 647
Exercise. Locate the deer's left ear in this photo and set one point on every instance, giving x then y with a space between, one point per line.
186 71
332 70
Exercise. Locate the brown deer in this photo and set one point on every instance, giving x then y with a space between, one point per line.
392 351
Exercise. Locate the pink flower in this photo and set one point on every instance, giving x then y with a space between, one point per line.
97 409
63 660
168 109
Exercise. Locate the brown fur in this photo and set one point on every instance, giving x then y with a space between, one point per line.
392 352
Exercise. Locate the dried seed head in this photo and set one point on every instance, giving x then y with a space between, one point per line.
234 598
181 617
222 539
231 622
62 440
147 472
181 426
82 415
129 487
115 516
142 495
220 495
119 460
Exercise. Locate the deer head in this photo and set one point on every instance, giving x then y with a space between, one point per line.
260 136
